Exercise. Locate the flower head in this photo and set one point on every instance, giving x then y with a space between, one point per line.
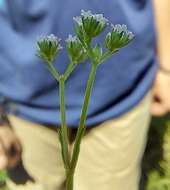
119 37
48 47
75 50
79 29
91 24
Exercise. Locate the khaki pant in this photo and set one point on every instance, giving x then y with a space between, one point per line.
109 159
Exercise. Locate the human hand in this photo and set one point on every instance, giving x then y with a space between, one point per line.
10 148
161 94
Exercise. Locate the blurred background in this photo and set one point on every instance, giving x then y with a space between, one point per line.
156 160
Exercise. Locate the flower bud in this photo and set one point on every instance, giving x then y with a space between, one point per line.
75 50
48 47
91 24
80 31
97 54
118 37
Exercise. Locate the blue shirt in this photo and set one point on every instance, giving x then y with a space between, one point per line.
120 83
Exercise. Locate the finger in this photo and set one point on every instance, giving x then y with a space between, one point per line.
158 109
14 156
12 150
3 158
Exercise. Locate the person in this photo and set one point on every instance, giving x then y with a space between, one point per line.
125 94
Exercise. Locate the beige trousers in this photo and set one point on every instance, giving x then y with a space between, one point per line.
110 154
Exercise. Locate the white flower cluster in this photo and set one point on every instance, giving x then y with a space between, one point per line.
88 14
51 38
78 20
71 39
75 50
122 29
98 17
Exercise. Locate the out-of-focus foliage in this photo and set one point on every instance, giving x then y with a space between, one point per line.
156 164
3 176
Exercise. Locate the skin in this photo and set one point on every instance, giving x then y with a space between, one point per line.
10 148
161 88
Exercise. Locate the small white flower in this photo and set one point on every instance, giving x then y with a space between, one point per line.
119 37
86 13
54 38
101 18
90 24
78 20
98 17
49 38
48 47
122 29
71 39
74 48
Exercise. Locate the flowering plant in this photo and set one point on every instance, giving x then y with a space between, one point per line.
79 48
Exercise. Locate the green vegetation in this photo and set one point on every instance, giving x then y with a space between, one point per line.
3 176
156 164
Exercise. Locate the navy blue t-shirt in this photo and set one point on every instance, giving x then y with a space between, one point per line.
120 83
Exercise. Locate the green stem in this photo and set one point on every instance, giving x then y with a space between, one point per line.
105 56
69 70
70 181
63 134
53 71
89 50
81 127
